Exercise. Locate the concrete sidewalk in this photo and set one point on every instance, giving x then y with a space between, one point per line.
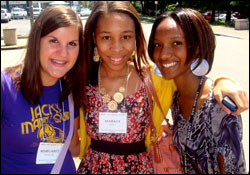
21 43
218 30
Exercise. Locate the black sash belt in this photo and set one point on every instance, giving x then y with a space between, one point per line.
118 148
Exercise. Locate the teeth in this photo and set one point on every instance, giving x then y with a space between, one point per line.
59 62
116 59
169 64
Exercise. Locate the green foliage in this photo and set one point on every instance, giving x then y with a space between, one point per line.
223 23
157 12
171 7
137 5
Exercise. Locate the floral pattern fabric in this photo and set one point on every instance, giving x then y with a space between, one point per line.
212 132
138 120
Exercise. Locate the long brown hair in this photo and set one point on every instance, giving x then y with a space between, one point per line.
104 7
29 80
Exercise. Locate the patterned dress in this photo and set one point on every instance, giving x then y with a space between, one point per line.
212 132
138 121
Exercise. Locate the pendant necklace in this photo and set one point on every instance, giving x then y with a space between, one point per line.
117 97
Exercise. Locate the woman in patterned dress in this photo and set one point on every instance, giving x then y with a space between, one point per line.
117 117
208 139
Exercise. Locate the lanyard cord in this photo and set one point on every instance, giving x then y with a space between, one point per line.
190 122
62 117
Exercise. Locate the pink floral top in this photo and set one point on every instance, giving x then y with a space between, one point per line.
138 121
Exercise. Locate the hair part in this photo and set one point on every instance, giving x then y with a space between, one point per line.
197 32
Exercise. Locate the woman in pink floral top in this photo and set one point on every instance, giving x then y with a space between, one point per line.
117 116
138 122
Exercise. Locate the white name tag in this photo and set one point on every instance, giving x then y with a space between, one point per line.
110 122
48 152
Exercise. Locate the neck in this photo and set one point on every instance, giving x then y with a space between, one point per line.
47 81
187 84
113 74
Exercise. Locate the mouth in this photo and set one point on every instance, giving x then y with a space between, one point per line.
169 65
116 60
58 62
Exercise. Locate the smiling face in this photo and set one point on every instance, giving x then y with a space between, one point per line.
58 53
170 49
115 39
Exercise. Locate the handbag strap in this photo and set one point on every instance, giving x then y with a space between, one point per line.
152 93
58 165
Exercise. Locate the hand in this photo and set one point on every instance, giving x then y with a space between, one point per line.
235 92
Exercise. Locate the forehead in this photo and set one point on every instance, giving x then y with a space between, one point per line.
115 21
169 27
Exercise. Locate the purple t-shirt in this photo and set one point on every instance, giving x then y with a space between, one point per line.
21 128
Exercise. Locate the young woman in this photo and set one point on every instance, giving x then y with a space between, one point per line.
34 104
182 45
116 122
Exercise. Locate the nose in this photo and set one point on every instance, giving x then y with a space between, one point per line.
166 52
116 46
63 51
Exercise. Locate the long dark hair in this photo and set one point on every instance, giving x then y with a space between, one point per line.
29 80
198 34
104 7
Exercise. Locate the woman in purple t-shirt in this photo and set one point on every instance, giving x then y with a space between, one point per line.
34 106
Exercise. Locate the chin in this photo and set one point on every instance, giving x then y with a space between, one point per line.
168 76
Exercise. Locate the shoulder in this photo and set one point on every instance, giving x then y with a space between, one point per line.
6 79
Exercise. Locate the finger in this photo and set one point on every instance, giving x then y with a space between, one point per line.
218 97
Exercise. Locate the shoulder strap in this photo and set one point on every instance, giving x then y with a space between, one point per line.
151 90
58 165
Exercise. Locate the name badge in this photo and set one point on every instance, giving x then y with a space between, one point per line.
48 152
110 122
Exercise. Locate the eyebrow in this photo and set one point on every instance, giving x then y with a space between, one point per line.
57 39
126 31
175 37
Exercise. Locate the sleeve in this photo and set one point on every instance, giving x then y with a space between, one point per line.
230 144
85 139
165 90
3 90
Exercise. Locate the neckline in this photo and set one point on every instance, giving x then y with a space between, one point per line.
128 96
47 88
200 108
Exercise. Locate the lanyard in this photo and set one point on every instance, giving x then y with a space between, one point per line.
62 119
190 123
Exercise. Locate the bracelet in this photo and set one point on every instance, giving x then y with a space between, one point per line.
225 78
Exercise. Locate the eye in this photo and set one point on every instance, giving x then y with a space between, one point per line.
53 41
126 37
157 45
177 43
72 43
106 37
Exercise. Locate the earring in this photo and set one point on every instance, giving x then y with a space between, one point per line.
132 57
202 69
96 56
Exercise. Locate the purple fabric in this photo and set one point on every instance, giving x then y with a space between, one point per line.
21 130
213 132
